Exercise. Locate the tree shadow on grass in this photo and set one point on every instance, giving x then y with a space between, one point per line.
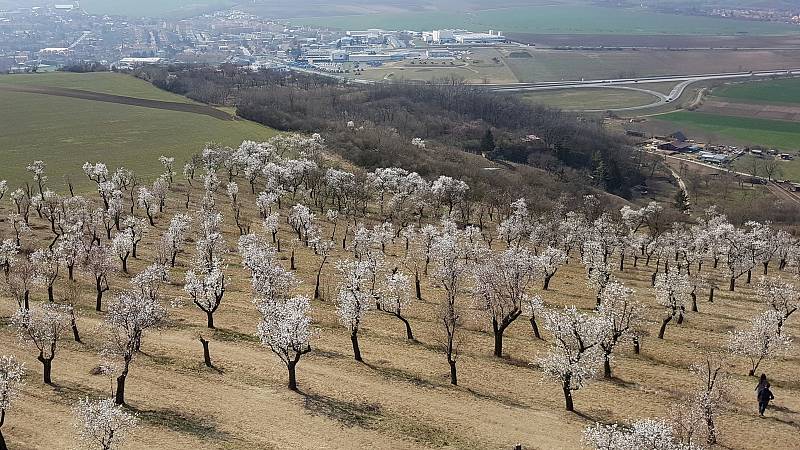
616 381
402 375
181 422
349 414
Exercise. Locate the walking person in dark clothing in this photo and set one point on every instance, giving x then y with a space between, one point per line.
762 382
764 396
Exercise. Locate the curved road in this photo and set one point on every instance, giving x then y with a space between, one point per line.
683 82
630 83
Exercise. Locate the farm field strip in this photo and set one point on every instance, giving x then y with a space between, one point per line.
60 124
99 82
784 91
121 100
561 19
773 133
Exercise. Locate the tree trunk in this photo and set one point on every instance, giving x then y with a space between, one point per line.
206 352
567 396
711 439
316 286
47 368
547 281
120 395
732 285
498 341
607 366
99 299
125 265
409 333
535 328
663 327
2 441
50 296
210 319
749 276
71 271
622 262
292 375
694 302
26 299
417 286
766 265
711 295
637 348
75 333
356 349
453 373
653 279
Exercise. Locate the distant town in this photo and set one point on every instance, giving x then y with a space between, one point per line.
52 37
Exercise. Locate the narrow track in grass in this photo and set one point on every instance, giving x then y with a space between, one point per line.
120 99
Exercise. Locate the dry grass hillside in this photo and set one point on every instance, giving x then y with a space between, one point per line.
400 397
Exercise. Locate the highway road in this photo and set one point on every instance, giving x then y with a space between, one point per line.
660 99
683 82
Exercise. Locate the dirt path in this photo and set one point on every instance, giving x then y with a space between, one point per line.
119 99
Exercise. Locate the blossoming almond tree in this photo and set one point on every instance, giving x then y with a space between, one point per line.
43 327
673 292
206 282
575 355
285 328
354 299
619 314
396 298
760 341
781 297
129 317
501 284
11 380
646 434
101 424
452 268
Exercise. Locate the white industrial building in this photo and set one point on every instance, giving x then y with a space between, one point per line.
480 38
463 37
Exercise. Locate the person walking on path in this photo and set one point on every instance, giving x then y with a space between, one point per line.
762 382
764 397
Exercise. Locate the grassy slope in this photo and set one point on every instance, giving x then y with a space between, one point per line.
65 132
400 398
102 82
774 133
776 91
555 19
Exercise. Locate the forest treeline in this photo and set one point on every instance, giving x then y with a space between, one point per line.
374 126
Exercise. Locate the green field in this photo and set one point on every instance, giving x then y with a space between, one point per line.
556 19
774 91
587 99
771 133
66 132
154 8
102 82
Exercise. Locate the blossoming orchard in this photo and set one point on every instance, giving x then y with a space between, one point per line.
275 266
